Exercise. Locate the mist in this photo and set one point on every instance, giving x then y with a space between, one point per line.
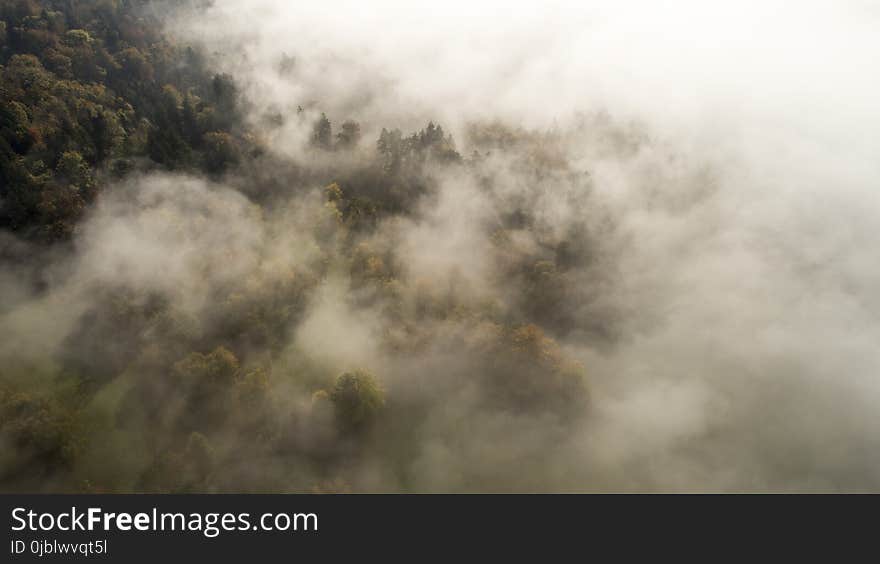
649 266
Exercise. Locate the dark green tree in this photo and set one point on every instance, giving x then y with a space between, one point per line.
357 400
322 133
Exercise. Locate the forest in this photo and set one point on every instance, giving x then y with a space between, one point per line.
259 247
150 392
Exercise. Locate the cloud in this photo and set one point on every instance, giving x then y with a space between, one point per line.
685 201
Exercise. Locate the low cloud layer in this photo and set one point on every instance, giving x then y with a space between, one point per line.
674 205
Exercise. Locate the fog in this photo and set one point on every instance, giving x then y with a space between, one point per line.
714 167
748 358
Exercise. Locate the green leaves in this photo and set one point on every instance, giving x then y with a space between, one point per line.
106 85
357 400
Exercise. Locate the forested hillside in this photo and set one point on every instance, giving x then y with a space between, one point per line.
273 246
92 89
208 372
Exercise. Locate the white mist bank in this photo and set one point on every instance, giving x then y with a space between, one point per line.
748 358
718 165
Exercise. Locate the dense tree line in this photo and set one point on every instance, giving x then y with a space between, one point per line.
89 88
